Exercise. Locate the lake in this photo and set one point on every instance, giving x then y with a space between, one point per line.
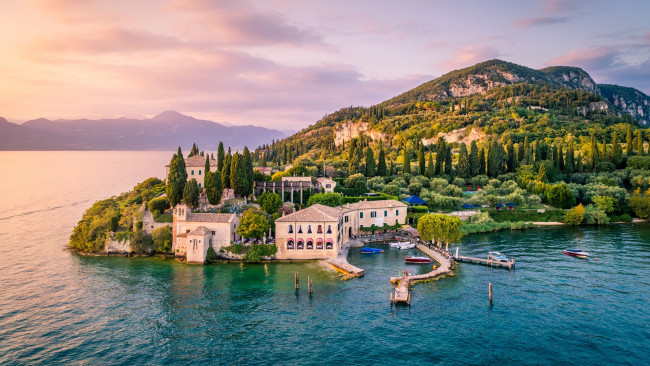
61 308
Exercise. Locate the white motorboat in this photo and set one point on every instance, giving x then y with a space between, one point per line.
407 246
398 244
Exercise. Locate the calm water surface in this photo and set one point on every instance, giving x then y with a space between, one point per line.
58 308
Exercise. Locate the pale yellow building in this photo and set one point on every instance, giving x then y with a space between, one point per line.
326 185
194 233
195 167
319 232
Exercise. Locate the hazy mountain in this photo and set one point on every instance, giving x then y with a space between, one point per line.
164 131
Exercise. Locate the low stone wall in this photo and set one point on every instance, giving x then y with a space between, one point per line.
116 247
148 227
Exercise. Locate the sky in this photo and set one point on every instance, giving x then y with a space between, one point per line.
286 63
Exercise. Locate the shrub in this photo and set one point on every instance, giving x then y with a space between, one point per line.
327 199
575 215
158 204
376 183
355 181
639 162
621 218
211 256
391 189
165 218
270 202
141 243
560 195
162 239
595 216
419 209
415 188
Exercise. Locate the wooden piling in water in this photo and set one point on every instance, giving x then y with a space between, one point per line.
296 279
490 289
310 285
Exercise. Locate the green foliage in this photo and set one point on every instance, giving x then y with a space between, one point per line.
141 243
639 162
560 195
419 209
327 199
176 178
370 162
472 228
527 215
191 193
575 215
158 206
381 162
391 189
604 203
254 224
355 181
164 218
162 239
211 256
213 188
639 204
440 228
595 216
270 202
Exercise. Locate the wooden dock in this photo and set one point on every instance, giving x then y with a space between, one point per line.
486 262
401 292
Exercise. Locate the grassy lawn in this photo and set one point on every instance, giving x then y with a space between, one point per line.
165 218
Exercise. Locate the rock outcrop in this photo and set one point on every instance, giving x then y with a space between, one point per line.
348 130
628 100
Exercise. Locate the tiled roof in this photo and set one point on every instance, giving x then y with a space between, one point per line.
198 161
316 212
201 230
377 204
209 217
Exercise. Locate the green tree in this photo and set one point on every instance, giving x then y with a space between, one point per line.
560 195
541 174
575 215
253 224
270 202
617 151
406 169
327 199
370 162
214 190
482 168
560 157
511 165
225 172
521 151
474 165
640 205
570 165
494 160
355 181
207 176
463 162
448 163
430 166
628 141
162 239
580 166
440 228
247 161
593 153
191 193
221 155
605 203
176 178
381 162
441 156
238 177
639 143
392 168
421 163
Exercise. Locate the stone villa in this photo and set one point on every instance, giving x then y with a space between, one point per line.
319 232
195 166
194 233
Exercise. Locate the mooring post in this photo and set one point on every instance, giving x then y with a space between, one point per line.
490 287
296 279
456 252
311 285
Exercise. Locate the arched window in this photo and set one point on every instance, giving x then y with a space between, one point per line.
310 244
329 229
308 229
300 245
299 229
329 244
319 243
290 244
290 229
320 229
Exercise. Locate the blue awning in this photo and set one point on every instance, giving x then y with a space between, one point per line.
414 200
499 205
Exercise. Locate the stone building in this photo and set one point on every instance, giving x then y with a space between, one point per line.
326 185
194 233
319 232
195 166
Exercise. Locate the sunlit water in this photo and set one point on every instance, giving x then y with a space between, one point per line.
59 308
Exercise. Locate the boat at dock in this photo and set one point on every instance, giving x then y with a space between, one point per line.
418 260
575 253
497 257
407 246
368 250
398 244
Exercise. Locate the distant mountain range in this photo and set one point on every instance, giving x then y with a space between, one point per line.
165 131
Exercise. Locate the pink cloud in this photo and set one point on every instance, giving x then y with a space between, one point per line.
530 22
469 55
588 58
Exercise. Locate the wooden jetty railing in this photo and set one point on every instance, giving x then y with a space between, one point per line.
486 262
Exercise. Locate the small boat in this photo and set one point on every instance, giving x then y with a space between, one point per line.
575 253
398 244
407 246
418 260
368 250
497 257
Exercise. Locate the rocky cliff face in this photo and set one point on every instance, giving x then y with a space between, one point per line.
628 100
348 130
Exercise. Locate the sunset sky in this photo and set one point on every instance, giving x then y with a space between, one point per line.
286 63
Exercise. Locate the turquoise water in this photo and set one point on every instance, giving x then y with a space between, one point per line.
58 308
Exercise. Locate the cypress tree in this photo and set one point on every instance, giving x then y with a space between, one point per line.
538 151
247 161
511 164
541 174
206 176
407 161
580 165
225 172
521 151
214 190
556 159
381 162
176 179
560 156
639 143
220 156
463 162
238 177
448 167
481 162
526 155
191 193
370 162
570 166
593 153
392 167
441 155
473 159
617 152
628 141
493 160
421 160
430 166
